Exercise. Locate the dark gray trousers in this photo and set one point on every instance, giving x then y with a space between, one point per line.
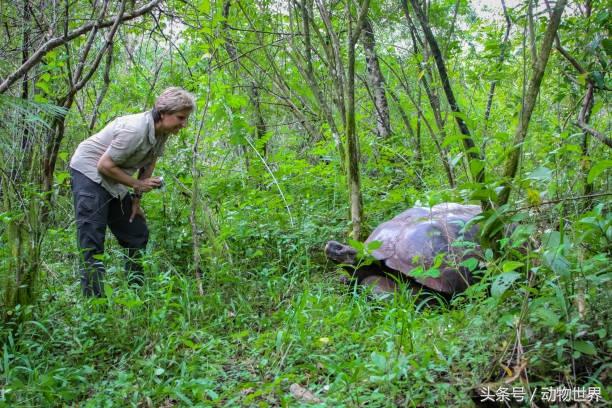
95 208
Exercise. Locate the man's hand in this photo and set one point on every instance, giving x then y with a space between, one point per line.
109 168
146 185
136 210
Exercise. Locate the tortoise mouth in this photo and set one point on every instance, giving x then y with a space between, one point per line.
340 253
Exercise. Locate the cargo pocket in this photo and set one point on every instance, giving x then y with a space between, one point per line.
86 206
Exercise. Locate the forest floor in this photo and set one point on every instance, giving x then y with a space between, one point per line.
273 336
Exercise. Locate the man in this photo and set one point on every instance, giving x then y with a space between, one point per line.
102 171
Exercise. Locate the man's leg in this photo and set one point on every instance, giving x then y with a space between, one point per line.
132 236
91 210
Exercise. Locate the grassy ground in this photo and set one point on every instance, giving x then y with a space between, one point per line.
245 343
276 328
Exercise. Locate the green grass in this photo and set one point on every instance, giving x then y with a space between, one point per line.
244 343
277 315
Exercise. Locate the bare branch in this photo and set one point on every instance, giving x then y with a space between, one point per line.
55 42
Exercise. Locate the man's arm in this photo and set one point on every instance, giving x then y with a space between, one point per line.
144 183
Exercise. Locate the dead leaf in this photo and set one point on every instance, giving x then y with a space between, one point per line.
513 375
506 369
303 394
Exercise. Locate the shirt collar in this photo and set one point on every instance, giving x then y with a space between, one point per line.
152 138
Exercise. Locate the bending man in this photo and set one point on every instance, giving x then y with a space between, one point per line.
102 170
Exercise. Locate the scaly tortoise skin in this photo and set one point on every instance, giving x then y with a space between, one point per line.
413 239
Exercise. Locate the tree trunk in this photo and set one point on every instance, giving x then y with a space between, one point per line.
533 89
352 153
500 60
352 145
584 116
471 151
308 74
258 119
377 82
23 162
434 102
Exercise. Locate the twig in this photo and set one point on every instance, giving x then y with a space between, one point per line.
273 178
55 42
105 85
583 197
599 136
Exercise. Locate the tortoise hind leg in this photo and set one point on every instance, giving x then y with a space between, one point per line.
380 284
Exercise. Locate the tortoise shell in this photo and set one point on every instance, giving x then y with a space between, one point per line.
411 241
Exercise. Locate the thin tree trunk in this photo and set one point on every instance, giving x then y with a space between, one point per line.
352 151
105 85
21 162
259 121
500 60
336 65
419 150
533 89
415 137
308 74
584 116
471 151
434 101
377 82
78 81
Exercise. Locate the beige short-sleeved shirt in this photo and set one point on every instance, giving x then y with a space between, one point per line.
130 142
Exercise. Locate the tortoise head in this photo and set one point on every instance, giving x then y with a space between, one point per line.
340 253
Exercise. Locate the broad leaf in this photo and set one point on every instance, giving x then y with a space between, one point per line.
503 282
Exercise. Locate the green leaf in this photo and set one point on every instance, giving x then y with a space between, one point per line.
541 173
493 224
606 43
359 246
470 263
448 140
598 168
547 316
159 371
379 360
511 265
61 176
40 99
204 6
373 246
551 239
557 262
503 282
585 347
44 86
476 166
432 273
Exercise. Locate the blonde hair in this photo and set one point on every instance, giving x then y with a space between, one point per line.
174 99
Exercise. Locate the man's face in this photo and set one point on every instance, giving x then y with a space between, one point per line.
173 122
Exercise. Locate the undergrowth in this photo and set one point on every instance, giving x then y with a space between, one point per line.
274 313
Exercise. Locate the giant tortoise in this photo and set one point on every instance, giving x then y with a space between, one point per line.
422 246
